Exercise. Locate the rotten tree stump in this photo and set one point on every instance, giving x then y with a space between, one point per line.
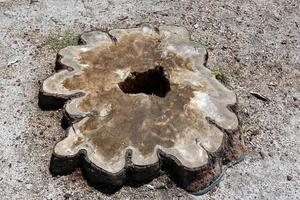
139 100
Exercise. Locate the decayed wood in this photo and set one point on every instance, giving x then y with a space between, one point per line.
140 103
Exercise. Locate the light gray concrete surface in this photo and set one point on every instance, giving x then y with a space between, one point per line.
256 43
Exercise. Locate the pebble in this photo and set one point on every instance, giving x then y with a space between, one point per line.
67 196
296 96
262 154
289 177
150 187
161 186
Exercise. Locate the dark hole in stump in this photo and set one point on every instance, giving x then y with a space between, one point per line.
149 82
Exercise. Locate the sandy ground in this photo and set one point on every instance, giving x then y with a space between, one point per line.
255 43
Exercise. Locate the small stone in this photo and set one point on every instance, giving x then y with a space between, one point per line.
67 196
161 186
289 177
23 130
283 42
262 154
29 186
214 189
150 187
33 1
179 194
271 154
296 96
196 26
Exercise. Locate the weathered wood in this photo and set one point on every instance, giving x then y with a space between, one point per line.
140 103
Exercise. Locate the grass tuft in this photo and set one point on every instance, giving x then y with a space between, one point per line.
62 41
223 78
237 72
247 131
204 42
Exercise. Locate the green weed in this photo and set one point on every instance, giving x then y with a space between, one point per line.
62 41
247 131
223 78
237 72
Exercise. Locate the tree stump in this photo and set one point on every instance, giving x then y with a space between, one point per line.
137 101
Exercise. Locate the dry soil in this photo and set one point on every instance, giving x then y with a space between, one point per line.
256 43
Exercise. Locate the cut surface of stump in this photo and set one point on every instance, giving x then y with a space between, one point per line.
138 100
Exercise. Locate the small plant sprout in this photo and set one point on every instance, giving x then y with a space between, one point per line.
237 72
223 78
204 42
247 130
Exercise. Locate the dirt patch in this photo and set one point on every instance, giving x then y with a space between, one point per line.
255 43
